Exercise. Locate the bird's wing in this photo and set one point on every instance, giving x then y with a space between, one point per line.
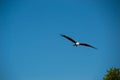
84 44
68 38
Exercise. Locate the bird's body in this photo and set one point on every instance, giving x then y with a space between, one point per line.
77 43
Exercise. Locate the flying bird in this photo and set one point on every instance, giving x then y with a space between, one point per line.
77 43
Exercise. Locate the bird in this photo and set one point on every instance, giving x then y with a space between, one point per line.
76 43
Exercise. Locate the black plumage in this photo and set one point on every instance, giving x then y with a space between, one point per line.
77 43
68 38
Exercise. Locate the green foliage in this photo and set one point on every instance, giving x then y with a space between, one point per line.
113 74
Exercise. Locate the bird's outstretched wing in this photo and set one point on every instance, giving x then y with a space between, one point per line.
68 38
84 44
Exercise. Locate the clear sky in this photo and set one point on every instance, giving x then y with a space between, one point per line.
31 47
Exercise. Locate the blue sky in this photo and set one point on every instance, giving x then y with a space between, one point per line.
32 48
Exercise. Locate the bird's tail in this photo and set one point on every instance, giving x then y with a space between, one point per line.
74 45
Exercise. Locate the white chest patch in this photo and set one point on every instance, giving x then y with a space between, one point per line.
77 43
